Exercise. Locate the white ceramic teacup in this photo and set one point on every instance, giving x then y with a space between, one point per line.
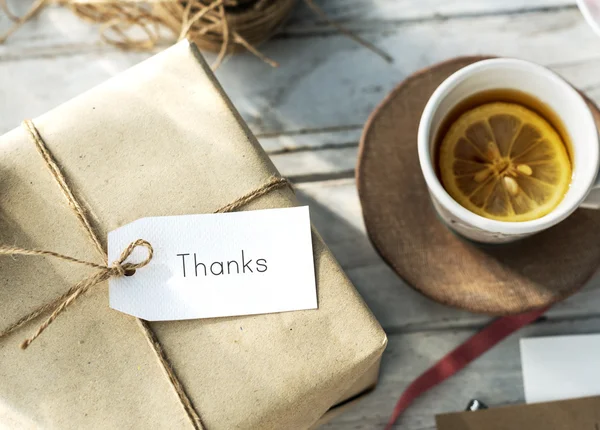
550 89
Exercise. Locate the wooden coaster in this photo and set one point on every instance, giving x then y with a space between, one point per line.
404 228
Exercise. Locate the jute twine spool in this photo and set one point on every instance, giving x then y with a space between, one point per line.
221 26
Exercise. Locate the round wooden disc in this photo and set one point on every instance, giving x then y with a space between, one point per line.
404 228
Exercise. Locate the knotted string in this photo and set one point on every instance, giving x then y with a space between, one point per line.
104 272
121 267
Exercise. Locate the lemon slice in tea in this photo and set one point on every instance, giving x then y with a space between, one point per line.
504 162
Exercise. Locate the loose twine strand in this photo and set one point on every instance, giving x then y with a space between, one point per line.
19 21
119 268
221 26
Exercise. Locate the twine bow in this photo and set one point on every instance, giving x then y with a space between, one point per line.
120 267
104 272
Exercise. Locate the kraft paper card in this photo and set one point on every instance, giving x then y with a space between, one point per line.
575 414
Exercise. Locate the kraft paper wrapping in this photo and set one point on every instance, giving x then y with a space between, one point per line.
159 139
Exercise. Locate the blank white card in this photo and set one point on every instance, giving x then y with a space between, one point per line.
216 265
560 367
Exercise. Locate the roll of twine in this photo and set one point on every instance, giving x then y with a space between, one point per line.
220 26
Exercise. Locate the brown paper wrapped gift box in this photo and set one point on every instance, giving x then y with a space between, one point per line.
159 139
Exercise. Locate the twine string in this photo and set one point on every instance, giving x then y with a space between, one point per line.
108 271
103 273
8 12
121 267
225 30
60 178
188 22
19 21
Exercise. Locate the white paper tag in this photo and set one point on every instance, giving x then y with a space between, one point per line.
560 367
217 265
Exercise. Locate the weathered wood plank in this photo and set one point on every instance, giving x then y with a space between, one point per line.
304 140
495 378
336 213
302 166
323 82
58 26
355 12
583 74
341 83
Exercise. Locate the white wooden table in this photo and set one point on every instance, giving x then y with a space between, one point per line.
308 114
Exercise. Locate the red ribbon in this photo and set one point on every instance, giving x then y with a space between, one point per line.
460 357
